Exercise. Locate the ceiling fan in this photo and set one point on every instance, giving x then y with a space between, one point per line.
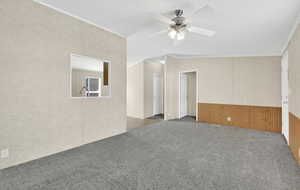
178 26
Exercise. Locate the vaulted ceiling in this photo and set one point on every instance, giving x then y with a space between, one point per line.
243 27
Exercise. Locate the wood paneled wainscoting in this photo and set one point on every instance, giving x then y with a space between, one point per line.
252 117
294 136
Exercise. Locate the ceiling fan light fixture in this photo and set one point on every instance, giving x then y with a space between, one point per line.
176 35
179 27
172 34
180 35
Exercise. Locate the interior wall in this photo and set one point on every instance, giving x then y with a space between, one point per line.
294 73
294 93
192 93
135 91
226 80
38 117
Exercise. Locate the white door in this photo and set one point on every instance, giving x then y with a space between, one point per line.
156 94
183 95
285 95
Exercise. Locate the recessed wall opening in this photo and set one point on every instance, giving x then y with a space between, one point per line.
157 96
89 77
188 95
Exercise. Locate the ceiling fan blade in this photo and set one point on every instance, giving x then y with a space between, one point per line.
158 33
146 34
203 6
163 19
201 31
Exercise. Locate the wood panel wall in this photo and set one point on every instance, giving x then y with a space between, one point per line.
252 117
294 136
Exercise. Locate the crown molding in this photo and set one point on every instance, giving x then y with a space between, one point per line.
182 56
78 18
132 64
186 56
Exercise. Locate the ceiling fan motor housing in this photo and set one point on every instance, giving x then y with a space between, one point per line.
178 28
179 19
178 12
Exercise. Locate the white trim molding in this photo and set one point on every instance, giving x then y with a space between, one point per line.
179 91
182 56
187 56
70 78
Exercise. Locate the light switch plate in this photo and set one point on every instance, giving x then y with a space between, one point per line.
5 153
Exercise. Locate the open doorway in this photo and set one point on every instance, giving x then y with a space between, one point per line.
188 95
157 96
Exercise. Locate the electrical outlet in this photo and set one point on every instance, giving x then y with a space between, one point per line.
229 119
5 153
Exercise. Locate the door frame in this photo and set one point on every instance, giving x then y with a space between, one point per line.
183 114
284 91
156 74
179 91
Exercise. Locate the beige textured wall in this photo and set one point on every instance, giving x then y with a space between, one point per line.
229 80
38 117
192 93
294 73
135 91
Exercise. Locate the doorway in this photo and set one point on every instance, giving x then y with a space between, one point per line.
157 96
188 95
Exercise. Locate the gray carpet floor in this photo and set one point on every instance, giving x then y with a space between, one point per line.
167 155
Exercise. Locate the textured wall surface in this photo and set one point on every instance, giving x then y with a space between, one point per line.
294 74
135 91
231 80
38 117
192 93
294 93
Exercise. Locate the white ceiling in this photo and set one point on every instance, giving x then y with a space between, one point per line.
244 27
